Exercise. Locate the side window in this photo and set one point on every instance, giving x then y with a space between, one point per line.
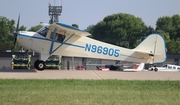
165 66
169 67
60 37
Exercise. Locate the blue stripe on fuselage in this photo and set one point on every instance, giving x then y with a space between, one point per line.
34 37
46 39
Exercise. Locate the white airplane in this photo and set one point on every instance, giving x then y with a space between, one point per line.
167 67
138 67
65 40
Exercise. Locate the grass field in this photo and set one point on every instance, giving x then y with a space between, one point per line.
88 92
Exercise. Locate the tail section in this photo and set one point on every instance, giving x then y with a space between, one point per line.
139 67
154 45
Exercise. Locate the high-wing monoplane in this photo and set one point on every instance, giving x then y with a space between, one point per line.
166 67
65 40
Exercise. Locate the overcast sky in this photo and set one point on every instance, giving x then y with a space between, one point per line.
87 12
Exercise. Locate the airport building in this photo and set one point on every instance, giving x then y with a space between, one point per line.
71 63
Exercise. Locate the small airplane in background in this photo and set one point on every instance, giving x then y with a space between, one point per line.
138 67
167 67
65 40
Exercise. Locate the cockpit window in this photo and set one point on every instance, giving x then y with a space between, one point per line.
43 31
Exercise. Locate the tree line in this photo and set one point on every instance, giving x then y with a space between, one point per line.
120 29
128 31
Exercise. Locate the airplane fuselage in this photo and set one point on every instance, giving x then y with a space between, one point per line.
77 46
64 40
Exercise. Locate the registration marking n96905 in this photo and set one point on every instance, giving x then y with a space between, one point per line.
102 50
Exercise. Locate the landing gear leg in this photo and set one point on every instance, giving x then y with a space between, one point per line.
39 64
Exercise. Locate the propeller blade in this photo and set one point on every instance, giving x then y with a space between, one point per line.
17 28
16 33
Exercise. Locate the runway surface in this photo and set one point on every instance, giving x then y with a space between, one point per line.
88 74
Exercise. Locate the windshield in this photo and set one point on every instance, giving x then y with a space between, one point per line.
43 31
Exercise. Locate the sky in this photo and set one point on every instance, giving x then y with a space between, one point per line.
87 12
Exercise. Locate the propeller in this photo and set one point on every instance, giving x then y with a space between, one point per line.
16 32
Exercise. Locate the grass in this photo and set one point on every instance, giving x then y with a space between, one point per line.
88 92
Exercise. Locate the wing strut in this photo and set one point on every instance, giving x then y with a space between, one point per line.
53 40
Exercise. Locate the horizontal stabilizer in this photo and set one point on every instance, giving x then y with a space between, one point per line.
143 52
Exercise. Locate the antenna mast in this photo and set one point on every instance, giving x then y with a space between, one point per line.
55 12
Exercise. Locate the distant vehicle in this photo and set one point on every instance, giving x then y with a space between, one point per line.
21 62
53 62
102 68
167 67
80 68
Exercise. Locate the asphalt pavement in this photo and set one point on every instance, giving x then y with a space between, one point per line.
88 74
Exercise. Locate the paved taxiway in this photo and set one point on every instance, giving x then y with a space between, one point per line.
88 74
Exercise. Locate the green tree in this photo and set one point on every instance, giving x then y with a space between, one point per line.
75 25
6 33
35 28
7 30
170 25
120 29
22 28
90 29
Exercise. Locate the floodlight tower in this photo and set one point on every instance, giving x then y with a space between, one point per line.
55 12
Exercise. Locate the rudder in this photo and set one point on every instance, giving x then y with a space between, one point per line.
154 44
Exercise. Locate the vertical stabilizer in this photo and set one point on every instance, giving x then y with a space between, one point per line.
139 67
154 45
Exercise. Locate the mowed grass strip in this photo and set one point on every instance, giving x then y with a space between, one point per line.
88 92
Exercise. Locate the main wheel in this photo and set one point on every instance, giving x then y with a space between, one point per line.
39 64
155 69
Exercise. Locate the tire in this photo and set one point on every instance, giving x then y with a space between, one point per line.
36 64
151 69
39 64
155 69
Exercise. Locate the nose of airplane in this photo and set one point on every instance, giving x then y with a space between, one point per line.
17 38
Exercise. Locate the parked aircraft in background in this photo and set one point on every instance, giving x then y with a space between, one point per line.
167 67
138 67
65 40
135 67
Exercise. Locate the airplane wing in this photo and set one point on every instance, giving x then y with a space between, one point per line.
70 29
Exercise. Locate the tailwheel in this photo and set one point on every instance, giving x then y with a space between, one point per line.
155 69
39 64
